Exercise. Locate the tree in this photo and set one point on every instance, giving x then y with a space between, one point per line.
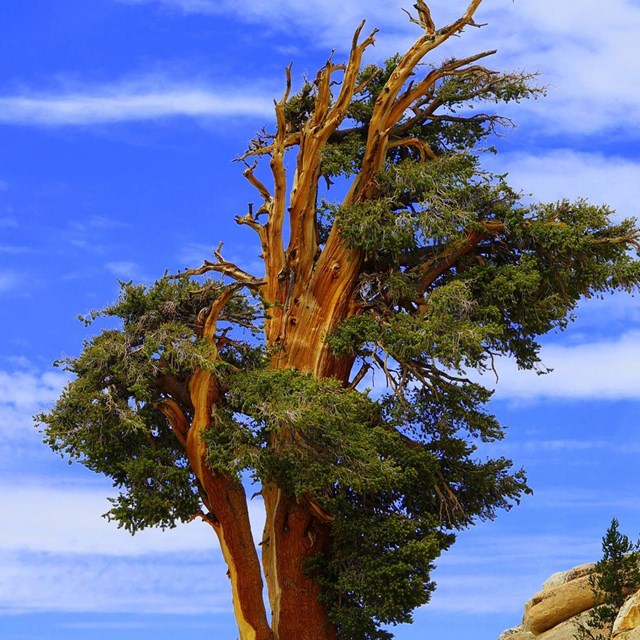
616 576
389 252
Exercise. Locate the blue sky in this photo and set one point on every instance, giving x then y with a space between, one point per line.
119 121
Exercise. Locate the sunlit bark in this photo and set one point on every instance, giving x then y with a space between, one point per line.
308 290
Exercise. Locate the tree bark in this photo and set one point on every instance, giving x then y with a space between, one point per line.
226 500
292 536
308 290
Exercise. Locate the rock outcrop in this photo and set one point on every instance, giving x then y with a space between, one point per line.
627 624
563 603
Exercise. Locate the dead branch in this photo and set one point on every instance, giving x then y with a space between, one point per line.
423 148
209 329
366 366
176 419
225 268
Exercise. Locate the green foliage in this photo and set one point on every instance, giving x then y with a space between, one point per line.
457 268
108 419
522 280
395 503
616 576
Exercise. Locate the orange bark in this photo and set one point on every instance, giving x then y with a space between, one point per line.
308 290
227 502
292 536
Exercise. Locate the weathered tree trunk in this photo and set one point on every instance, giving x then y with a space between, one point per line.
226 500
308 290
298 530
292 536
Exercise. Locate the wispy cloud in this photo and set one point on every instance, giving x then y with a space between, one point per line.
91 234
8 223
127 102
98 223
493 572
567 445
39 521
611 501
584 64
58 554
125 270
161 583
564 173
14 249
607 370
28 390
583 49
9 280
23 393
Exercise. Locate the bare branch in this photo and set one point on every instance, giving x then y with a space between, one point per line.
262 189
176 419
360 375
225 268
209 329
466 19
423 148
424 17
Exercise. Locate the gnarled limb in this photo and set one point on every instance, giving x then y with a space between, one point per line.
292 535
176 419
225 268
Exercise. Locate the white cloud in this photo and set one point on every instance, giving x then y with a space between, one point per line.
98 223
125 270
606 370
188 583
325 18
14 250
68 520
57 552
128 102
9 280
584 49
602 500
493 572
23 393
564 173
567 445
29 391
584 54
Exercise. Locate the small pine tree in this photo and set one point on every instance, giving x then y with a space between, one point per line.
615 578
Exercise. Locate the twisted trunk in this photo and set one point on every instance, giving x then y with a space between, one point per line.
226 500
297 530
308 290
292 536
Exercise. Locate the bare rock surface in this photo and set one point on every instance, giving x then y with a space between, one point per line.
566 630
563 577
563 604
516 633
557 604
627 624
